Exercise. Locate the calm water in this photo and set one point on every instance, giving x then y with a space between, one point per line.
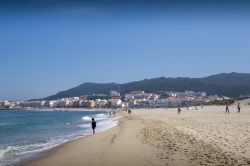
26 133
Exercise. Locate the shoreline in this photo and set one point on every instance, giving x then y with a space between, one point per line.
162 137
68 148
42 151
61 109
45 153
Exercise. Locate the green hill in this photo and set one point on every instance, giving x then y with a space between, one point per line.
226 84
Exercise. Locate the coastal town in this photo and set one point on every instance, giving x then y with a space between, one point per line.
114 99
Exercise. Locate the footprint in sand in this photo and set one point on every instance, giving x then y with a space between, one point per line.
113 138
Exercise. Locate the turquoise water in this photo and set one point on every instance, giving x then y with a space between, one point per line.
26 133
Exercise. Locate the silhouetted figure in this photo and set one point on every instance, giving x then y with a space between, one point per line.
238 106
179 110
227 109
93 124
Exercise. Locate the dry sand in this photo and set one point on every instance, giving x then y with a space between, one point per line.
161 137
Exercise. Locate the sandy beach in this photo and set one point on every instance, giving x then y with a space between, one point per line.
162 137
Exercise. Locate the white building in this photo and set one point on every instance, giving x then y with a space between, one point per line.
160 103
32 104
53 104
50 104
132 103
63 103
5 103
203 94
140 95
125 105
74 98
146 96
129 96
114 93
153 97
137 92
101 103
115 102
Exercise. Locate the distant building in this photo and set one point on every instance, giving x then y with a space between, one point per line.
74 98
146 96
203 94
101 103
161 103
32 104
52 104
141 103
87 103
137 92
100 95
129 96
7 104
186 94
195 94
114 93
132 103
1 104
153 97
84 97
172 94
139 98
63 103
115 102
175 102
75 103
125 105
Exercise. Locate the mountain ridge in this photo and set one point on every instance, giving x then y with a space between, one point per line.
226 84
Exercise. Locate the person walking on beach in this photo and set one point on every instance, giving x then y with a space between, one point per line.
93 124
179 110
227 109
238 106
129 111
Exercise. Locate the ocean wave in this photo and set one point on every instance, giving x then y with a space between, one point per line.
101 115
86 118
2 153
30 148
98 117
104 125
84 125
12 154
7 124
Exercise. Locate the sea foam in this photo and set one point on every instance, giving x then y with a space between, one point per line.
55 128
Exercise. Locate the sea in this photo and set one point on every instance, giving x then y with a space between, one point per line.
25 134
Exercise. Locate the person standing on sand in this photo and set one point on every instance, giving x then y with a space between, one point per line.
238 106
93 124
179 110
227 109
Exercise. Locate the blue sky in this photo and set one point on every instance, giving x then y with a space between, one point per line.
44 51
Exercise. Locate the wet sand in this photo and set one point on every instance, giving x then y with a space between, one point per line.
162 137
